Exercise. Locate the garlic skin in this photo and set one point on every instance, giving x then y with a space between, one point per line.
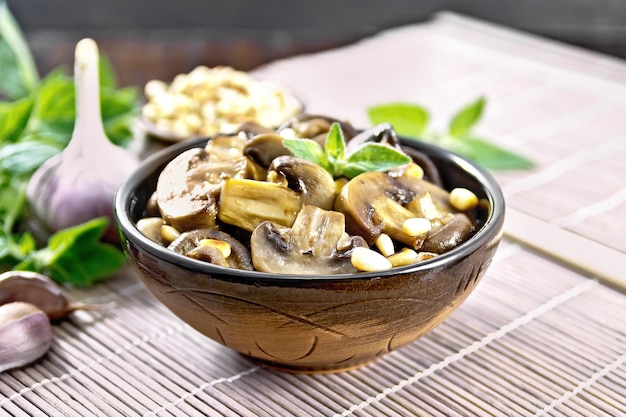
38 290
25 335
67 191
80 183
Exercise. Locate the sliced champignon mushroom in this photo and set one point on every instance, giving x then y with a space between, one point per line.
316 127
315 184
251 129
430 201
247 203
452 231
263 148
449 227
152 206
316 244
225 148
189 186
382 133
193 244
373 203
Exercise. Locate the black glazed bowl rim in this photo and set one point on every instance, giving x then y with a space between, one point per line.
126 199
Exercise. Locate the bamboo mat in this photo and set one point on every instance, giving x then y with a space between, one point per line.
536 338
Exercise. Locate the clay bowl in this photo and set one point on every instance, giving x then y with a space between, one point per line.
300 323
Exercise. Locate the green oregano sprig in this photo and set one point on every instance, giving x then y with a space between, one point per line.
411 120
37 118
334 159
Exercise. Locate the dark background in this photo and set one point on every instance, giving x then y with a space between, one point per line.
158 39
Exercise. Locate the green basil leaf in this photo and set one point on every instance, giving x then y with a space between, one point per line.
373 157
489 155
335 145
88 266
14 118
11 188
463 121
119 108
27 243
85 233
18 73
55 110
4 249
54 106
310 150
407 119
76 255
25 157
107 75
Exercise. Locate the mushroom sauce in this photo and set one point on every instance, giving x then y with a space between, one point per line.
244 201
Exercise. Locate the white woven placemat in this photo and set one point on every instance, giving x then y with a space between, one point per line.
534 339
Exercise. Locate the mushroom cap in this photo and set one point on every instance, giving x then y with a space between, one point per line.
189 241
263 148
455 230
314 182
188 188
316 127
373 203
382 133
225 147
316 244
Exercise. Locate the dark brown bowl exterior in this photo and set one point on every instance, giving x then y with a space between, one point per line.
301 323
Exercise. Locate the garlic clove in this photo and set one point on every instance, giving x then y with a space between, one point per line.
25 335
36 289
39 290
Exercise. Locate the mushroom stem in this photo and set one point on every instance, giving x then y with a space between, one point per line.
316 244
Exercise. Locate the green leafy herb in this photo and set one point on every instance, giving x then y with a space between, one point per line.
333 157
75 255
411 120
462 123
18 74
335 145
36 123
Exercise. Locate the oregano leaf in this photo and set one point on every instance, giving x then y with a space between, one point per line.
310 150
407 119
335 144
492 156
373 157
465 119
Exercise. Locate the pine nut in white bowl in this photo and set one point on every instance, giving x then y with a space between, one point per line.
207 101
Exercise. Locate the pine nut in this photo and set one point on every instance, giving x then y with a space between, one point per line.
339 183
404 257
150 227
416 226
222 98
463 199
414 171
154 87
384 243
423 256
169 233
367 260
408 256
